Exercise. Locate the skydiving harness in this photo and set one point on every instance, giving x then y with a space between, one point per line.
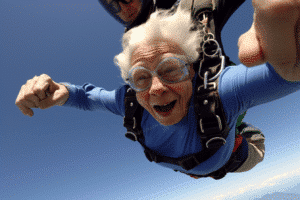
211 121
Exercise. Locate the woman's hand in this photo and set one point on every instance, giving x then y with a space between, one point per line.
41 92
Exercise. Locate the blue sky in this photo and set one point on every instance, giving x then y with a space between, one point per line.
64 153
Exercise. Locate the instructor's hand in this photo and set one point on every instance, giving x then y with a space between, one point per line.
274 37
41 92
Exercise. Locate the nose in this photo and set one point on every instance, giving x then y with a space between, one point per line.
157 87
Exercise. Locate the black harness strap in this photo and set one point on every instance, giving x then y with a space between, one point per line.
133 116
213 128
186 162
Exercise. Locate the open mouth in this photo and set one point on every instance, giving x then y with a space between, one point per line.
165 108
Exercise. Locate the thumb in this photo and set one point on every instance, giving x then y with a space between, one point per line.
58 97
250 52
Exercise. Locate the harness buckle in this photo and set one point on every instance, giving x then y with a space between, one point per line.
132 136
215 142
210 86
189 163
131 123
211 125
151 157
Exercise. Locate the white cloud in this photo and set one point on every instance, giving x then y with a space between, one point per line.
248 185
275 174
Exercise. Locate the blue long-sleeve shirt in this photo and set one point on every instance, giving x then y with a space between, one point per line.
240 88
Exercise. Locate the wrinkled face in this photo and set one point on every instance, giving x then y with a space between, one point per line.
166 102
129 10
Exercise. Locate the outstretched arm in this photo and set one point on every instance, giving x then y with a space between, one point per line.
40 92
274 37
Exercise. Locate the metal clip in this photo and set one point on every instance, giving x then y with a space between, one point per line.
219 72
134 122
205 80
210 86
129 90
221 69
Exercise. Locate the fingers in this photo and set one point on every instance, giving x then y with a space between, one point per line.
25 100
58 97
41 86
39 92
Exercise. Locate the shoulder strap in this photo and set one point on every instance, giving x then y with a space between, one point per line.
133 116
213 128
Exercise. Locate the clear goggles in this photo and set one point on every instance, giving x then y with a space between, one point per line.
169 70
115 5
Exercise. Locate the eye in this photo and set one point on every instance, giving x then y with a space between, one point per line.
141 78
171 73
171 70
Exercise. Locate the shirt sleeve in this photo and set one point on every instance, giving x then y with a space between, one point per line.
241 88
90 97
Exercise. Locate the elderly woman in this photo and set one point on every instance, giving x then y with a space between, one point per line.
157 62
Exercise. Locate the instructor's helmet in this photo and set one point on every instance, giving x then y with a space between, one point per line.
114 8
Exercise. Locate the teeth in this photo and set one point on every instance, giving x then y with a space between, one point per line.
161 105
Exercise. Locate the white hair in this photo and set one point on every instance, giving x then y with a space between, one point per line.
161 26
